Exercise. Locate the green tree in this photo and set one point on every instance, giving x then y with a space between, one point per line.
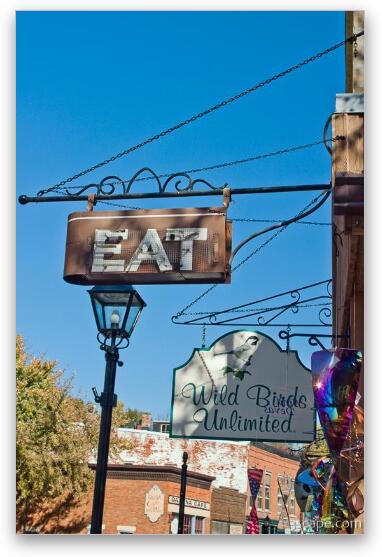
56 434
126 417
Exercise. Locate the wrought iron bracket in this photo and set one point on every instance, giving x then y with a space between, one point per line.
100 398
266 311
313 338
113 187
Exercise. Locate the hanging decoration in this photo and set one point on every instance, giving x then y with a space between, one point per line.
303 490
254 477
335 376
351 459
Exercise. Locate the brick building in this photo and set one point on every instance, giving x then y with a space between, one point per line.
280 468
228 511
142 490
218 484
145 500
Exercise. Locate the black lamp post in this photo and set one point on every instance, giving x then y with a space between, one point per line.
182 495
267 524
116 310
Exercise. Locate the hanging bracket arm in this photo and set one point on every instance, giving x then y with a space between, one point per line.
280 225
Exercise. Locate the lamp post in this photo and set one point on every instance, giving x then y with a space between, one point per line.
267 524
182 495
116 311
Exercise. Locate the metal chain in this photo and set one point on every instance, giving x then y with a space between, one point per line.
284 151
203 336
207 111
206 368
120 205
252 254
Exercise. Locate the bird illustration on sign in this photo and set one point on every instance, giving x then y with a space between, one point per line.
242 356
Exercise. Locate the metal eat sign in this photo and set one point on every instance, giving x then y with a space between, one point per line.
244 387
161 246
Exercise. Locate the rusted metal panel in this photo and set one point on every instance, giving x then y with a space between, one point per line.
155 246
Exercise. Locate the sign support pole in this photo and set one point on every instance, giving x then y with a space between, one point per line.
107 401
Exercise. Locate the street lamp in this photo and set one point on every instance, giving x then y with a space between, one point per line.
116 311
267 524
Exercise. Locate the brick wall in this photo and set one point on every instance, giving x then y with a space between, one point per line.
228 505
225 460
125 504
276 463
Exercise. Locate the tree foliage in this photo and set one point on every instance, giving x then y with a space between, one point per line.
56 434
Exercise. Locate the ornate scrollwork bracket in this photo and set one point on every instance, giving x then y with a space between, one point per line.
181 181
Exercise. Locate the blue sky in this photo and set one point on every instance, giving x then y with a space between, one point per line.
90 84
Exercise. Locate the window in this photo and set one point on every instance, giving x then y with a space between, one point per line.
187 524
191 524
259 498
286 484
165 428
199 525
292 499
279 502
272 529
267 491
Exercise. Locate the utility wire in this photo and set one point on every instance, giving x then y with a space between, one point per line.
306 222
217 106
279 220
283 227
284 151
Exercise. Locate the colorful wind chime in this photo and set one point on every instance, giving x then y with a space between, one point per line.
328 484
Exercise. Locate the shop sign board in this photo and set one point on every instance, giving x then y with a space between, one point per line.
161 246
244 387
154 503
194 503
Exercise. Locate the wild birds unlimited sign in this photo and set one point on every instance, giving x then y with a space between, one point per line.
161 246
244 387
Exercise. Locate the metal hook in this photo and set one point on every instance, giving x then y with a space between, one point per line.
91 202
226 197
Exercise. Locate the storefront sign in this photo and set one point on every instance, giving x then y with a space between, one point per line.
194 503
161 246
154 503
244 387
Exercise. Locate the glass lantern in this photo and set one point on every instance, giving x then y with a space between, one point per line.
116 309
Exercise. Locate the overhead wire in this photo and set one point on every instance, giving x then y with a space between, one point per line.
312 206
261 156
283 151
206 112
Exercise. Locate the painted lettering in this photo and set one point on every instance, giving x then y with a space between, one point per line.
108 242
